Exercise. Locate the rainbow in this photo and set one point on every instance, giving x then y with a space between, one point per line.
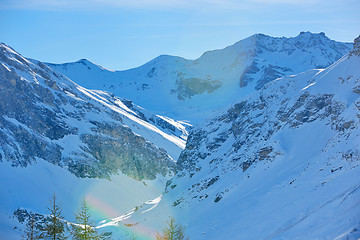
121 224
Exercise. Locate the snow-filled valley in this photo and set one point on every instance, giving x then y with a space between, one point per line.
31 188
259 140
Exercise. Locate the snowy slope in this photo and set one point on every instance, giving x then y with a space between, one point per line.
193 89
282 163
58 137
70 125
31 188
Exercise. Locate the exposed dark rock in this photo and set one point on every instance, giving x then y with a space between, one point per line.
356 48
271 73
186 88
264 152
165 125
23 216
251 122
218 197
127 103
246 78
178 201
117 148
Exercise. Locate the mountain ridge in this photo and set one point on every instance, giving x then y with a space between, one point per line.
256 35
182 88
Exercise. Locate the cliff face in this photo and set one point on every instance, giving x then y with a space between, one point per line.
91 133
356 49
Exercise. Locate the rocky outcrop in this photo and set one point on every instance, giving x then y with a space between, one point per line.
271 73
252 123
356 48
116 147
189 87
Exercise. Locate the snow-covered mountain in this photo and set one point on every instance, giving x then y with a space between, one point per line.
193 89
56 136
92 133
282 163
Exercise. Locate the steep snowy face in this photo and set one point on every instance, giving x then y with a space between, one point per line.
91 133
193 89
282 163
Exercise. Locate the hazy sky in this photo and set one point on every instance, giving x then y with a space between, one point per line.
121 34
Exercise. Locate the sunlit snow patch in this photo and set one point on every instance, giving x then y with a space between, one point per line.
151 204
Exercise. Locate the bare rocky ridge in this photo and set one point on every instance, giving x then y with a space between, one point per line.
356 49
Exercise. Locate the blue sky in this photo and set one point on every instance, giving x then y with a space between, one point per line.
121 34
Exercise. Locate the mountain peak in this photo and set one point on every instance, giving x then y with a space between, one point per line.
90 65
260 36
302 35
356 48
6 48
84 61
307 38
309 35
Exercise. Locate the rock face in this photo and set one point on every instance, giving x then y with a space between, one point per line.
288 152
255 121
193 89
91 133
356 49
187 88
117 147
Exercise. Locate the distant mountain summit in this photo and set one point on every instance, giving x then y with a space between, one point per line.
193 89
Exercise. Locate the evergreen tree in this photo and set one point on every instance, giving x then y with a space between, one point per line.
83 229
31 232
132 238
172 231
54 229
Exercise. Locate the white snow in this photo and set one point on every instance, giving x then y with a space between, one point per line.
307 191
